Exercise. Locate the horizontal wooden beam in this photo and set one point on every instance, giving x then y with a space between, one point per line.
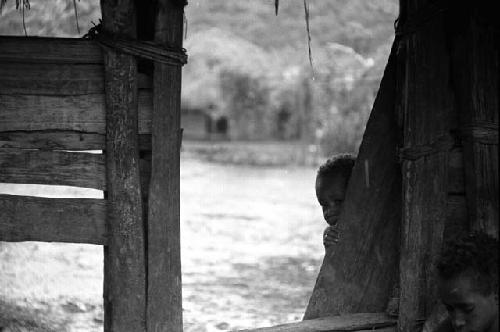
77 220
61 140
52 140
49 50
51 79
351 322
56 79
85 170
83 113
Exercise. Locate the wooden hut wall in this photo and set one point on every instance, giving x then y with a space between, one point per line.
446 101
52 102
448 104
475 45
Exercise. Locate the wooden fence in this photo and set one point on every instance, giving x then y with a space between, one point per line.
54 110
52 113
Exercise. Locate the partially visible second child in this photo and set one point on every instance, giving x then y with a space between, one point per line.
331 186
468 284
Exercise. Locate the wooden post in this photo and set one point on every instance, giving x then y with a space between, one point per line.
427 110
164 305
124 260
475 51
361 271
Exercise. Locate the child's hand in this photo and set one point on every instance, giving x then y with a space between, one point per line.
330 236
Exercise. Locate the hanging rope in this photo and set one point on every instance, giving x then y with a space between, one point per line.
442 144
481 132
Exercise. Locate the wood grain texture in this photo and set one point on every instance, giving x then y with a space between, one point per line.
475 53
77 220
85 170
456 216
49 50
359 273
58 79
456 173
124 259
82 113
52 140
61 140
164 311
145 171
427 108
51 79
351 322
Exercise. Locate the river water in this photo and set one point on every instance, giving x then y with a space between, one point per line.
251 251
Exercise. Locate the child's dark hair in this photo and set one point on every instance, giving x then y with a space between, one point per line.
475 253
341 163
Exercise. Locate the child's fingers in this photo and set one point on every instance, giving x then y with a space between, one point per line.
332 233
329 244
330 240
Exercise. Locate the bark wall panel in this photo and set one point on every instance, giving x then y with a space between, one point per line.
428 111
477 48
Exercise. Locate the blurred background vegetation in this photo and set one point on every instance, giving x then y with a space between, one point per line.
249 76
249 96
249 69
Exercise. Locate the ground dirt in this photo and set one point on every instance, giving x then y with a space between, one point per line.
251 251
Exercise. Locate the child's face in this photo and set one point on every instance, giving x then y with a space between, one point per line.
330 191
469 309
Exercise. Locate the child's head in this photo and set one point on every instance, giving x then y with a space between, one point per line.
468 282
331 185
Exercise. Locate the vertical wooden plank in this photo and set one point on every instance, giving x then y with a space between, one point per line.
428 112
124 261
475 50
359 273
164 311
